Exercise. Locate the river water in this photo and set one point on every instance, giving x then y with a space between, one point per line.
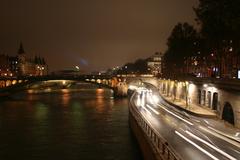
66 124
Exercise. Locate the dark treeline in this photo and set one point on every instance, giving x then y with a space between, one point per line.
218 33
137 67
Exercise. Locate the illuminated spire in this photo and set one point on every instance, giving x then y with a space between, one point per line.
21 49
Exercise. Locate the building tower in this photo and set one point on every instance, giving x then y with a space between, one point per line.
155 64
21 60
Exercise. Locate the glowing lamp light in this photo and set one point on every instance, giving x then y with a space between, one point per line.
99 90
155 99
131 87
191 89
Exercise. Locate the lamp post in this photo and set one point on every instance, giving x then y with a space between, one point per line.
167 88
174 90
186 90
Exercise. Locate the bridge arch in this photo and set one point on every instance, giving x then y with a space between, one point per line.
8 83
209 98
99 81
2 84
228 114
199 96
203 97
215 101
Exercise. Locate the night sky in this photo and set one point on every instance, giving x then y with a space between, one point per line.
94 34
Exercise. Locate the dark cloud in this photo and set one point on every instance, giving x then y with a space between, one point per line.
99 33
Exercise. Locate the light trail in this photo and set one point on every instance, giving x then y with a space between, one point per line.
138 100
236 151
219 132
186 121
211 146
206 146
146 110
206 121
197 146
220 136
143 98
156 112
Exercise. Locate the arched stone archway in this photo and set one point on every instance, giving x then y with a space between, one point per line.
215 101
228 114
199 96
209 99
203 97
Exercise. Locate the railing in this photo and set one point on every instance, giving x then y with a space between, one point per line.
160 144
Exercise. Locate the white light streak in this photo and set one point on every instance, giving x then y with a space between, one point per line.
156 112
138 100
132 87
197 146
146 110
155 99
219 135
206 121
211 146
184 120
143 99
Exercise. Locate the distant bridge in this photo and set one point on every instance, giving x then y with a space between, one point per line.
10 81
119 83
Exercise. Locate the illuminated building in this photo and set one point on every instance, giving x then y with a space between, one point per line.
4 65
154 64
30 67
21 65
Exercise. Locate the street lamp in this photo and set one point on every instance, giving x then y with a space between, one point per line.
186 90
175 90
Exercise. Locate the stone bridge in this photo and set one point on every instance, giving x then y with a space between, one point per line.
119 84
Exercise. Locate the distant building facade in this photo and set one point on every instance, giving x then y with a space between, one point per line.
21 65
154 64
227 66
4 65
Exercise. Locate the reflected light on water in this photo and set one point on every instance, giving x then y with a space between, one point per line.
65 124
41 111
99 93
99 100
65 90
48 90
30 91
65 97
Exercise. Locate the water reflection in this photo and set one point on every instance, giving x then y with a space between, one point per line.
99 93
66 124
41 111
65 97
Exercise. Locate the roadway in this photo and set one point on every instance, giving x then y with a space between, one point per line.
191 137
